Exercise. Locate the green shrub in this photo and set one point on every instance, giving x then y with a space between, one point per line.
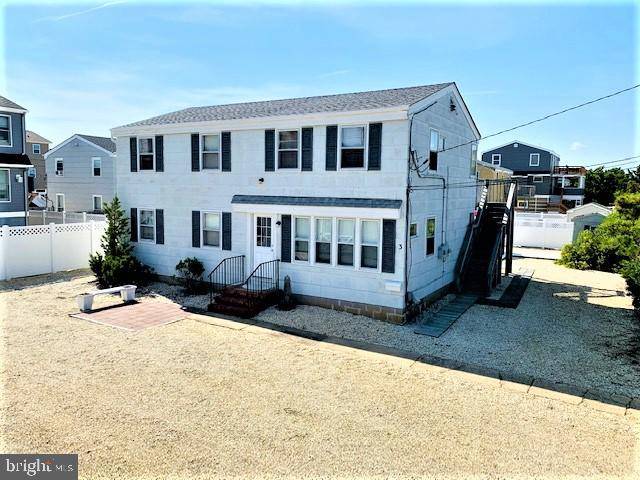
631 273
190 270
615 241
628 205
117 265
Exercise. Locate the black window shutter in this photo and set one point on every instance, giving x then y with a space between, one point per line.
226 151
195 228
389 246
285 246
332 148
269 150
159 153
159 226
375 146
133 151
226 230
307 149
195 152
133 220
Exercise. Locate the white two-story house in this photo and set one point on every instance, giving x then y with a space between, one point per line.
359 196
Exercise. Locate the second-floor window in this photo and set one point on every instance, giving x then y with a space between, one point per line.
5 130
496 159
534 159
35 148
433 149
210 152
59 167
5 188
288 149
431 236
146 154
352 147
96 166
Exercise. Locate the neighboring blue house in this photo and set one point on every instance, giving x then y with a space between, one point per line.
13 164
542 182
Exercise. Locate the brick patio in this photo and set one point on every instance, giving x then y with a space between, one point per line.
135 316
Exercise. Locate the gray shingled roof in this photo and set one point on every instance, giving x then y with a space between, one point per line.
298 106
317 201
5 102
104 142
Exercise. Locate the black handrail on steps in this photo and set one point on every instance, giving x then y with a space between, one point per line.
229 271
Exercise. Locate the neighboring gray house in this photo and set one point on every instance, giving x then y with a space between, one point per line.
13 164
540 178
37 146
587 217
80 174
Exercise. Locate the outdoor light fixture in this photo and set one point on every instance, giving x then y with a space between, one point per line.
261 180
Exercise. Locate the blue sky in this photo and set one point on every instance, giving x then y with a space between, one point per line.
87 67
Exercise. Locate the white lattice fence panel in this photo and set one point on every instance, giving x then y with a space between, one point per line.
39 249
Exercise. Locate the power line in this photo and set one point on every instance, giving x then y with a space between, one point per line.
541 119
625 160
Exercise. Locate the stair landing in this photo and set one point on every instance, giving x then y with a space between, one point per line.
435 324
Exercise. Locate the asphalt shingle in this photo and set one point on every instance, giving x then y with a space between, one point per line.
5 102
317 201
298 106
103 142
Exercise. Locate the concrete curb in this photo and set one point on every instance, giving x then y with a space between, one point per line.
540 387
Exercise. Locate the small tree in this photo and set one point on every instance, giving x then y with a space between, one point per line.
117 265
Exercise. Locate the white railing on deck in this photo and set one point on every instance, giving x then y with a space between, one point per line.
38 249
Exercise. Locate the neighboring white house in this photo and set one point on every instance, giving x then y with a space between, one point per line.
81 174
346 190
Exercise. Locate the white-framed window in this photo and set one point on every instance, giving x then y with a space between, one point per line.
210 151
353 141
537 179
97 203
433 149
323 240
147 225
430 229
288 148
474 158
534 159
96 166
59 167
346 241
59 202
210 229
413 230
35 148
5 185
301 237
369 243
5 131
523 204
496 159
578 203
146 153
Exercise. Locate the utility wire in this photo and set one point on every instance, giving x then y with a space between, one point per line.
541 119
622 160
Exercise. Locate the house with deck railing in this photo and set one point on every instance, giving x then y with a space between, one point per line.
358 198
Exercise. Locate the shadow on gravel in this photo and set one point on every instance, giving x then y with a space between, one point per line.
46 279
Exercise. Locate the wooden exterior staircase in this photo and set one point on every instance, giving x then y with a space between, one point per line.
489 241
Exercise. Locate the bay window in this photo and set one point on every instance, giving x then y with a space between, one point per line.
369 243
323 240
302 234
210 146
288 149
352 147
346 241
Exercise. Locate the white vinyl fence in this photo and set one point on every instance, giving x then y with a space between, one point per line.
45 217
542 230
39 249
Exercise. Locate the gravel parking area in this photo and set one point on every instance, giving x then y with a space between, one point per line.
571 326
195 400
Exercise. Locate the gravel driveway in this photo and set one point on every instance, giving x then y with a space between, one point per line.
571 326
192 400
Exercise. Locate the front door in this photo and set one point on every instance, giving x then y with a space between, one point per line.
264 249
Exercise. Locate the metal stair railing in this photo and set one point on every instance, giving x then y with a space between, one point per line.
228 272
